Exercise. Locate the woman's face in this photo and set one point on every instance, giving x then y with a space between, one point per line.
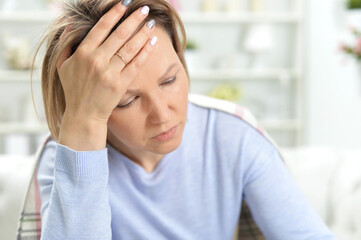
154 110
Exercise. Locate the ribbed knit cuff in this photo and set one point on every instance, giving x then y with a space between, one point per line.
81 163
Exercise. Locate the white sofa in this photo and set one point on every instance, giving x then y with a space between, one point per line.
15 173
330 178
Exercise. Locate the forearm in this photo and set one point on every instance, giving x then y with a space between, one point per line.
279 207
78 206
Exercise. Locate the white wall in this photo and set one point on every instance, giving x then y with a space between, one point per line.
333 81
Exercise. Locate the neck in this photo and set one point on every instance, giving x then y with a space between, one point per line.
146 160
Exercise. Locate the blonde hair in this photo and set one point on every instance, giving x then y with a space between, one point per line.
82 15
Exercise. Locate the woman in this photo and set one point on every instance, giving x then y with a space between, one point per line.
131 158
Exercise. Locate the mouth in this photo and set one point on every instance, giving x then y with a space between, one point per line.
167 135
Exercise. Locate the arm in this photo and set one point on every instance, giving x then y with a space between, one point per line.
278 206
73 189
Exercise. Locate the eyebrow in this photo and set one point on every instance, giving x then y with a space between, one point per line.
167 71
131 91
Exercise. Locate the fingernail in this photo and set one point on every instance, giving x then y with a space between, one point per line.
126 2
153 41
145 10
151 23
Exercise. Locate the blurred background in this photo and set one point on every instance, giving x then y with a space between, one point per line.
285 60
295 64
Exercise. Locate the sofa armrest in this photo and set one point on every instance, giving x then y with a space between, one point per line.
15 174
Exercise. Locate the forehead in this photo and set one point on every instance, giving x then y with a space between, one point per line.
163 54
163 37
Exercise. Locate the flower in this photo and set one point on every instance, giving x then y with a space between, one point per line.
353 49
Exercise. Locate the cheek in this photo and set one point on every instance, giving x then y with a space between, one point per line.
124 126
176 98
182 92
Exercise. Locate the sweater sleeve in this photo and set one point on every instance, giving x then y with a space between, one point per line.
74 195
277 204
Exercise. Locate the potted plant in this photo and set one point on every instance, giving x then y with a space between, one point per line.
191 45
191 55
353 13
229 92
353 4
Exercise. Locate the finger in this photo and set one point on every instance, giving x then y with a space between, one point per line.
66 53
124 31
103 27
138 62
132 47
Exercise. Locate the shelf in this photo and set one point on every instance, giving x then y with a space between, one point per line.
17 76
24 128
28 16
206 74
187 17
294 126
199 17
234 74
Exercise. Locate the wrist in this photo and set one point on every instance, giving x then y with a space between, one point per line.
82 133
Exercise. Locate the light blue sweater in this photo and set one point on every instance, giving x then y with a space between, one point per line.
195 192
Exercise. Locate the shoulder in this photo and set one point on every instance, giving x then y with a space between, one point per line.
228 119
232 134
224 107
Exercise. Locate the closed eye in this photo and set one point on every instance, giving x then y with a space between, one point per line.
128 104
169 81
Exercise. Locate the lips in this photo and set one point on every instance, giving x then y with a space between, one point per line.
167 135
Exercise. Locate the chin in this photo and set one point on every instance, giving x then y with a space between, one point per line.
168 147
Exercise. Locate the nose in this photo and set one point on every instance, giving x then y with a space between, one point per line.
159 110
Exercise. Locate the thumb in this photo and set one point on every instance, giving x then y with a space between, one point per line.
66 53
